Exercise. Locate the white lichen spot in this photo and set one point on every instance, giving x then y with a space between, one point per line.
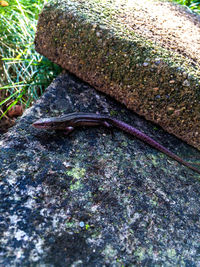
11 177
30 203
55 221
19 235
14 219
94 208
19 253
38 245
109 252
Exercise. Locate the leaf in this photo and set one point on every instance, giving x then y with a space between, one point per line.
4 3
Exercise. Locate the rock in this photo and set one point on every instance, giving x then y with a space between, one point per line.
128 48
98 197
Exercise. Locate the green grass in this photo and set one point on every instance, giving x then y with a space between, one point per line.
25 73
194 5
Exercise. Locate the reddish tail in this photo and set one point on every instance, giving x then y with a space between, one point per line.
133 131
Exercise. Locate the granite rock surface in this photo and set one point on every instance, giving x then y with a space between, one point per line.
98 197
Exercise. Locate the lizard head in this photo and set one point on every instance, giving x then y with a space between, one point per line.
52 123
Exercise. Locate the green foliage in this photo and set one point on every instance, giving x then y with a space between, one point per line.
194 5
25 73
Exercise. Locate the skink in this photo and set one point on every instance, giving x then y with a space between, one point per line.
68 122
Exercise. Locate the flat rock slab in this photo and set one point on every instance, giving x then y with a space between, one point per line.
143 53
98 197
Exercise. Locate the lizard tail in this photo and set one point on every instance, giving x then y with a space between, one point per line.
145 138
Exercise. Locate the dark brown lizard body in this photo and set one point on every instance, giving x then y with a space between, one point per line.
68 122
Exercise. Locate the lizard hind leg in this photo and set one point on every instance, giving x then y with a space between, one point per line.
106 124
68 130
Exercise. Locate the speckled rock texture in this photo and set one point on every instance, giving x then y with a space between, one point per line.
98 197
145 54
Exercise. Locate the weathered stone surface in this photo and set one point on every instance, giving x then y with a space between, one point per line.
143 53
98 197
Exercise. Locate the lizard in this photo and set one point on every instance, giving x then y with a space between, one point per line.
69 122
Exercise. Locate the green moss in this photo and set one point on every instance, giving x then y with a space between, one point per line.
76 172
